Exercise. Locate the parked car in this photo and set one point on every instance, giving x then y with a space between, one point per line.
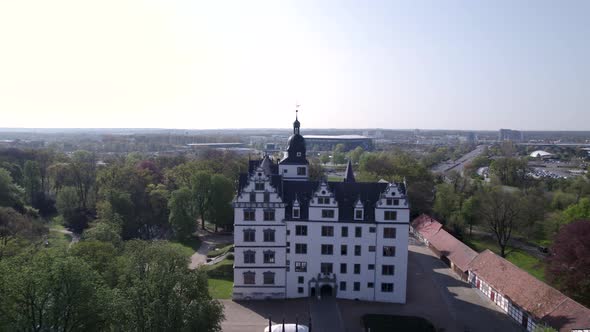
288 328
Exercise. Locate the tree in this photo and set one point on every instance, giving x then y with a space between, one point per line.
356 154
104 231
325 158
14 227
578 211
162 294
316 171
32 179
498 210
201 187
569 262
182 217
446 201
222 193
51 292
10 194
510 171
469 212
83 170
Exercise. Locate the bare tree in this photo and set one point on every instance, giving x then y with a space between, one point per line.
498 210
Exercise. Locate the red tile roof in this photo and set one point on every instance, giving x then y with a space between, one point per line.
539 299
456 251
426 226
569 315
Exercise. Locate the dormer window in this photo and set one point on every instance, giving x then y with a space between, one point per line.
389 201
396 202
296 213
259 186
358 214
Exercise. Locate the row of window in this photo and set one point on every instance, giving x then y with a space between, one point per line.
268 257
328 268
328 231
268 215
356 286
328 249
268 235
268 278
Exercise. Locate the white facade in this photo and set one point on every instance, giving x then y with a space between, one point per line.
297 238
356 259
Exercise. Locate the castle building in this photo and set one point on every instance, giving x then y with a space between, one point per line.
298 238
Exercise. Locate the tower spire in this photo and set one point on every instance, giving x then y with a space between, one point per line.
296 124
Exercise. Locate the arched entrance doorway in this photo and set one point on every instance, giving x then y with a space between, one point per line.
326 290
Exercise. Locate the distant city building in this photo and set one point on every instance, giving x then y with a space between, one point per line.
328 142
541 154
297 238
510 135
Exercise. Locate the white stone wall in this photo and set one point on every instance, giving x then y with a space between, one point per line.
289 172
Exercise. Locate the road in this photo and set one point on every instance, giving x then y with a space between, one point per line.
459 164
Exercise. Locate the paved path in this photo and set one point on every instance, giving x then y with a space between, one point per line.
434 292
73 236
325 315
209 240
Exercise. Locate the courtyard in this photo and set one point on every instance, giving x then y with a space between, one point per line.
434 292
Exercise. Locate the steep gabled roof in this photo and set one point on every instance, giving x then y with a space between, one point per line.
569 315
456 251
521 288
426 226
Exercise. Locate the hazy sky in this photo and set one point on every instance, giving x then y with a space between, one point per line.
244 64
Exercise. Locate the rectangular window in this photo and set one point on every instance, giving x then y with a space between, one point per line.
301 230
300 248
390 215
327 213
343 285
269 257
327 249
370 285
300 290
295 212
389 201
387 270
357 250
269 215
387 287
371 248
357 269
259 186
300 266
249 215
358 231
327 231
358 214
249 257
249 278
323 200
388 251
357 286
372 229
326 268
249 235
300 279
269 235
343 268
343 250
252 197
301 170
371 266
266 197
269 278
344 231
389 233
396 202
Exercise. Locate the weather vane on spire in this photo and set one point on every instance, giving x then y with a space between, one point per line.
297 105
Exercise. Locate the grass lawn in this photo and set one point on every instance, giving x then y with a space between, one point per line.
390 323
220 249
221 278
520 258
189 246
334 178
